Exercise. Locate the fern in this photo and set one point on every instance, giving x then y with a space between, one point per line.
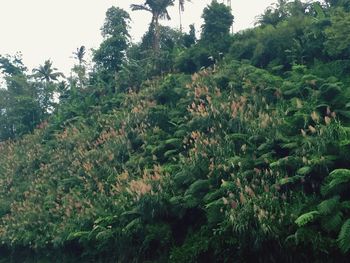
104 235
306 218
134 224
345 205
170 153
78 235
290 180
343 174
304 170
319 11
328 206
344 237
198 187
333 222
174 142
335 179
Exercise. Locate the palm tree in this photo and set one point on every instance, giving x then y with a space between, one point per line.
158 9
46 72
80 69
47 89
79 54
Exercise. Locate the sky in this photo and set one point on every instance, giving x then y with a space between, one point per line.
53 29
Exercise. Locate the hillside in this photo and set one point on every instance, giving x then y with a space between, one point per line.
243 159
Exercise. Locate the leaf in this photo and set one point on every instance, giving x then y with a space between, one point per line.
327 206
306 218
174 142
333 222
344 237
320 14
78 235
197 187
132 225
304 170
290 180
343 113
290 146
170 153
345 205
213 195
274 164
218 202
236 136
104 235
335 179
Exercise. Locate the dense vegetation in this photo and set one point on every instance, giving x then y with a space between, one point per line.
230 148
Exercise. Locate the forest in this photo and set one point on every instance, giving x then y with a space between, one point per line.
221 147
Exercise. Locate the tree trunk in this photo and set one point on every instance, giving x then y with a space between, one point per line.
156 34
180 17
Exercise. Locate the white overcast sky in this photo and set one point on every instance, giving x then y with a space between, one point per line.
53 29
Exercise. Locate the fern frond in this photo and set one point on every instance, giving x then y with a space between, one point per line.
290 180
77 235
104 235
335 179
340 173
306 218
328 206
170 153
344 237
174 142
304 170
198 187
333 222
345 205
134 224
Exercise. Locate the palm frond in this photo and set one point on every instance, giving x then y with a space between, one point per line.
140 7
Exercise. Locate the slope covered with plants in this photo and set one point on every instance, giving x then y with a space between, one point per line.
223 150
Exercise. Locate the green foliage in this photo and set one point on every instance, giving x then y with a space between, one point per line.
217 22
336 179
306 218
337 35
158 9
110 54
344 237
231 163
331 212
25 102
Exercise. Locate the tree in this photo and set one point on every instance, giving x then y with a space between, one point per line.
181 9
80 68
338 38
217 21
282 10
46 86
79 54
109 56
158 9
20 109
339 3
216 28
47 72
190 38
